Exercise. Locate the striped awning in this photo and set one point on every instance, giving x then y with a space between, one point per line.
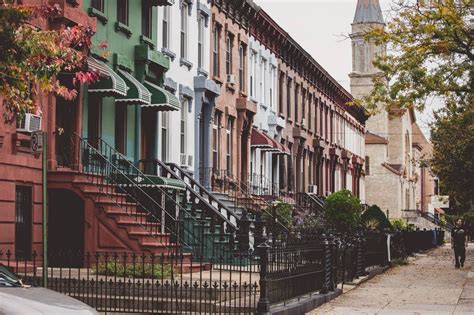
137 94
259 140
110 83
161 99
130 180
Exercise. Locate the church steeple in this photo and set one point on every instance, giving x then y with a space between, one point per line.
368 11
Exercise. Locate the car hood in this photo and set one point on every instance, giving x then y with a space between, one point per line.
34 301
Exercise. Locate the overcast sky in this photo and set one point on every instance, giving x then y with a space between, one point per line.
321 27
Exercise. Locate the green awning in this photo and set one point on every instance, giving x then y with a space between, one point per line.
110 83
137 94
161 99
130 180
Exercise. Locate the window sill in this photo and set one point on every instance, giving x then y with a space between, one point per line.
243 94
218 80
281 116
290 120
185 62
202 72
146 40
98 14
265 107
168 53
230 86
120 27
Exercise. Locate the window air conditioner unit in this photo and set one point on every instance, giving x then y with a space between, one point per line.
30 123
312 189
231 79
327 193
186 160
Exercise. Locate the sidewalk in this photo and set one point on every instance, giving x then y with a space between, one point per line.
429 284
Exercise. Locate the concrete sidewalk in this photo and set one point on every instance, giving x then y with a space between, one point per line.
429 284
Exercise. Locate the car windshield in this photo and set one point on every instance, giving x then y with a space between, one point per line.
8 279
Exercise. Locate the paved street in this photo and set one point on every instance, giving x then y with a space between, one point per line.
428 285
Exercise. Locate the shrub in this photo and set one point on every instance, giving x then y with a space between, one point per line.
399 224
138 270
343 211
375 213
283 211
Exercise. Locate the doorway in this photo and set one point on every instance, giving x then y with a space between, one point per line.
23 221
148 138
65 228
65 125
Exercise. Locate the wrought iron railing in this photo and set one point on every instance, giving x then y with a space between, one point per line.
156 209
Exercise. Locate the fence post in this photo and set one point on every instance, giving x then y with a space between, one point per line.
326 265
330 257
359 270
263 305
244 230
259 224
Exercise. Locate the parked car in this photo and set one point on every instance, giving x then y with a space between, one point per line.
16 298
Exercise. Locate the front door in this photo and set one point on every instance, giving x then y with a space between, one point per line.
65 127
148 138
23 221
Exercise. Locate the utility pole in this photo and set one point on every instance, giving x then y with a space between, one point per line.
45 209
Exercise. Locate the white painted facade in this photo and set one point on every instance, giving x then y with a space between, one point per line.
262 81
184 36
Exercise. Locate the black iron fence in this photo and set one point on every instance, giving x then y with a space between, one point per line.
281 270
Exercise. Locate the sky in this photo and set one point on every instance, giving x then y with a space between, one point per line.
322 27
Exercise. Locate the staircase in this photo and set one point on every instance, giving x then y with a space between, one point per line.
310 205
435 220
145 213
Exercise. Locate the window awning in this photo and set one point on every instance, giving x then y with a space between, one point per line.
110 83
161 99
284 149
137 94
259 140
130 180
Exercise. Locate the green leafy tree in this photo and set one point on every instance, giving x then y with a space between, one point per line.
452 136
343 211
431 54
374 213
32 58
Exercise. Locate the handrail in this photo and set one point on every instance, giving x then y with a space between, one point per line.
238 191
170 170
102 177
131 169
430 217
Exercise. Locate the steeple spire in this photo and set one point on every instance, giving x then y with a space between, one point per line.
368 11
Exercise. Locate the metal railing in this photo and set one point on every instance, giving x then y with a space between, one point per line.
184 283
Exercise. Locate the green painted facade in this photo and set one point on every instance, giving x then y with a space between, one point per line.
129 50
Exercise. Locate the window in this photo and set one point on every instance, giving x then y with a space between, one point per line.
183 125
147 18
288 97
184 31
315 114
367 165
23 221
229 143
216 142
228 54
166 26
436 187
303 104
201 42
215 51
98 5
297 89
242 67
164 136
310 100
280 93
263 69
253 60
272 82
122 11
331 126
121 128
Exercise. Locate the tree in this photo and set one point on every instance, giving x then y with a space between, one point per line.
31 58
453 151
431 56
343 211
